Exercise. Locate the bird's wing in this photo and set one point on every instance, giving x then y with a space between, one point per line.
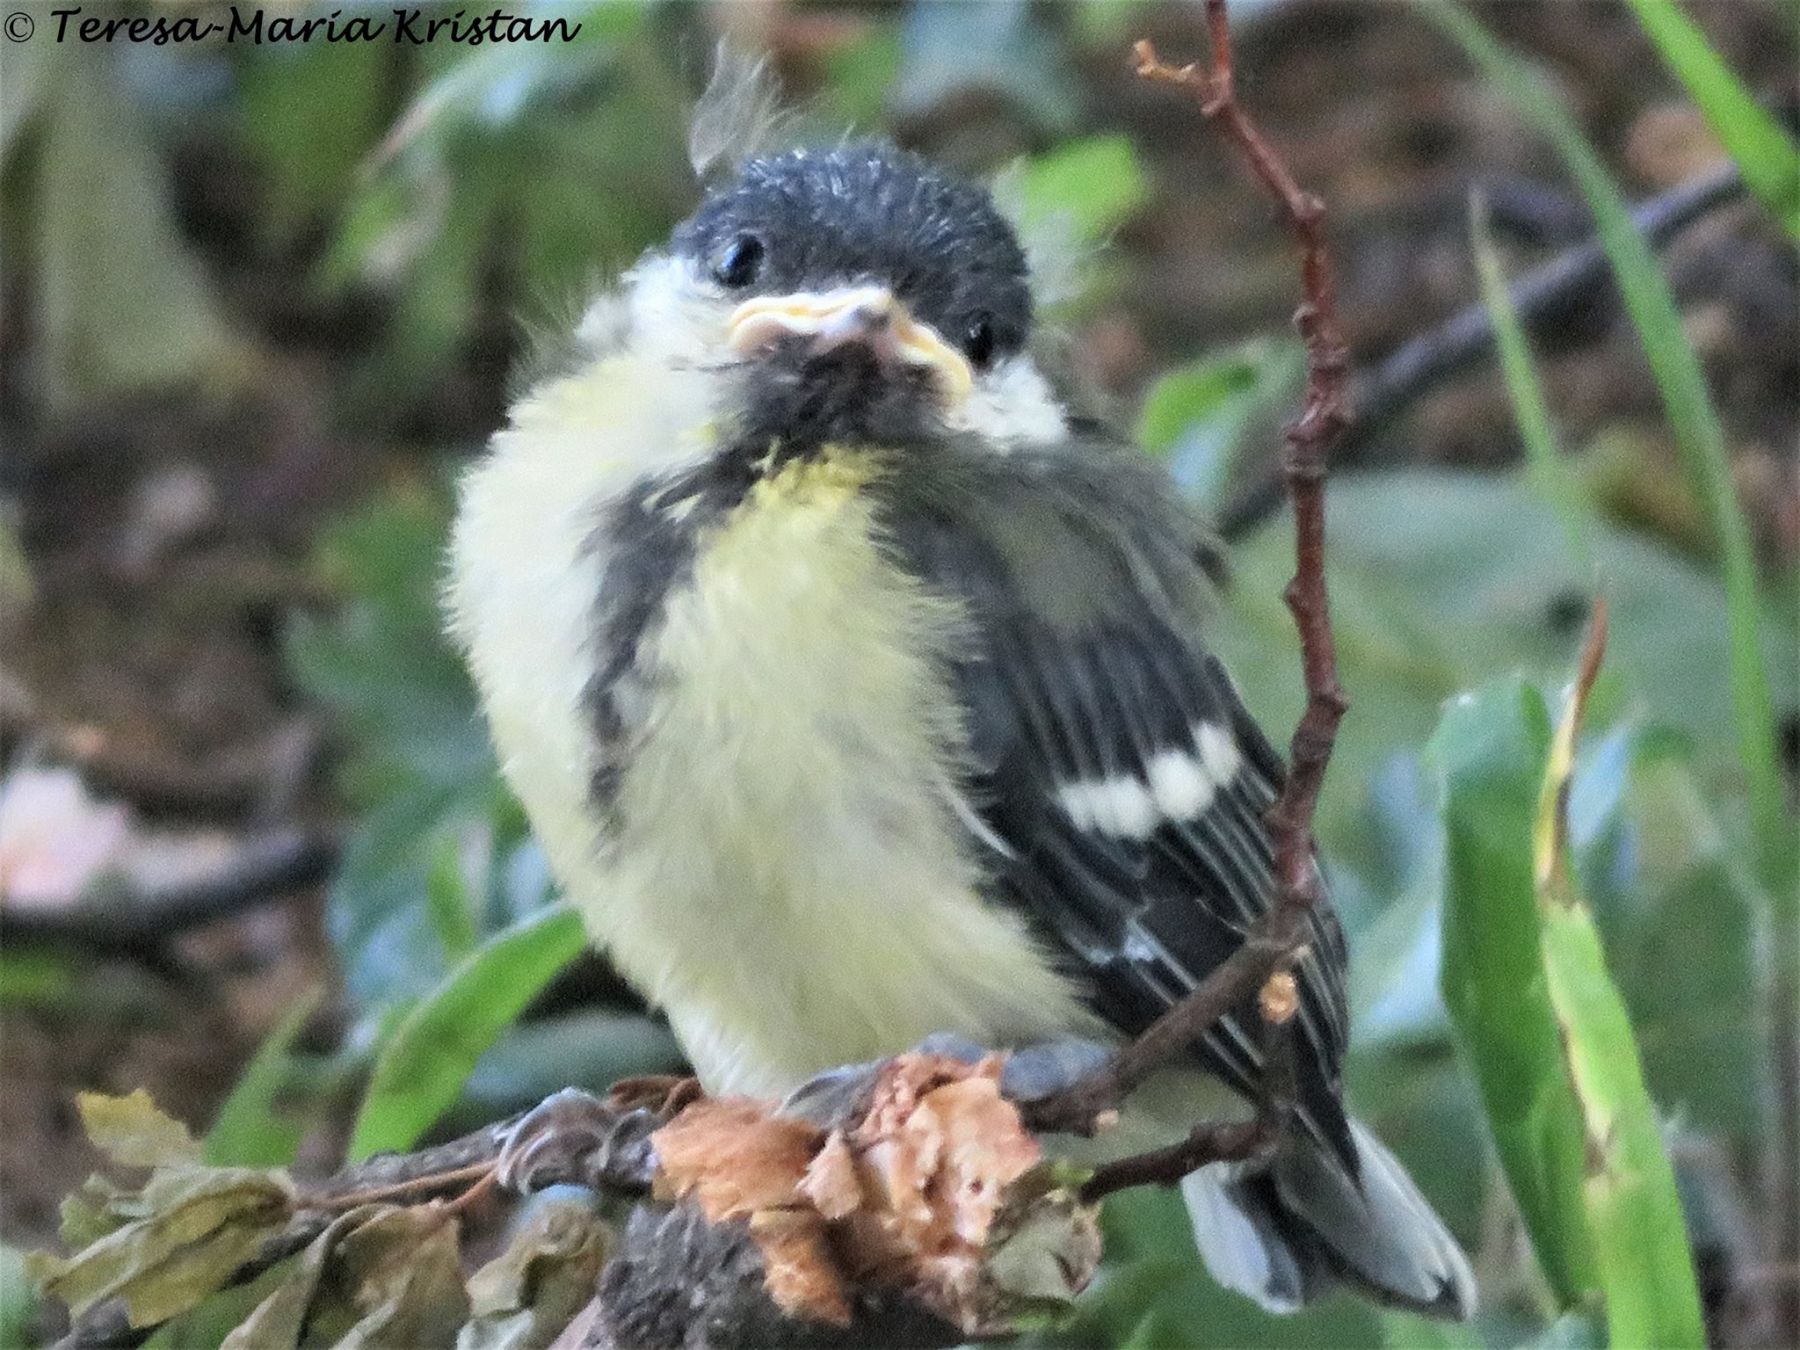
1119 783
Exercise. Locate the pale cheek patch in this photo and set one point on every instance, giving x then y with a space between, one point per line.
1177 785
673 317
1011 404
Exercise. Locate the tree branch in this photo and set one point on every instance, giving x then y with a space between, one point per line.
1542 296
1275 942
926 1218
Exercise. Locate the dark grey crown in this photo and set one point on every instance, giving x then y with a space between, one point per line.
869 212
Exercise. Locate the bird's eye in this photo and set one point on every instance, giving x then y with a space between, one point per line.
978 342
739 264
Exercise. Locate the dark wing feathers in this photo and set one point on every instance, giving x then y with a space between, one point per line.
1145 902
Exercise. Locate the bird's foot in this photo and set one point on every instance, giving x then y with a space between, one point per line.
664 1093
835 1099
1030 1073
1035 1073
577 1137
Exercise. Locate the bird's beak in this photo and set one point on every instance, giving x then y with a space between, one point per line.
866 314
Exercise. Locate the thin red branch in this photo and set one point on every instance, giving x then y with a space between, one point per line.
1276 942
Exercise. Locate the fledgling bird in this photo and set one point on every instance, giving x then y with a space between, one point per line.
859 692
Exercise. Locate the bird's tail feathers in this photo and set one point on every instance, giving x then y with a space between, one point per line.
1285 1234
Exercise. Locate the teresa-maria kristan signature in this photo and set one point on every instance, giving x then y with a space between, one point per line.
414 26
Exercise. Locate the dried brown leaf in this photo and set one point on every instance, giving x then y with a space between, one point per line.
831 1183
799 1271
404 1269
279 1321
94 1209
936 1150
526 1296
733 1157
1045 1245
984 1149
908 1200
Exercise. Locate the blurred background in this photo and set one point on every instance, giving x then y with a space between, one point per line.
259 303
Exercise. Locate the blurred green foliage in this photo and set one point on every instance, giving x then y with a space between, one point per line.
1693 420
553 166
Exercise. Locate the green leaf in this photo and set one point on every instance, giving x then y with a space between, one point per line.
424 1064
1550 474
1766 154
1408 1331
1698 435
1199 416
1633 1209
310 113
1064 205
133 1132
1489 753
494 87
495 159
1003 50
420 761
860 72
37 978
1095 183
1658 868
1579 1330
1545 1029
1153 1292
29 69
200 1226
381 662
249 1131
536 1058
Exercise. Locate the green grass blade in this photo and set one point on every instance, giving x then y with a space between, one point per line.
249 1131
424 1064
1766 154
1698 435
1488 753
1549 473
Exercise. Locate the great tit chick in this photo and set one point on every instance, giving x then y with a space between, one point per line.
860 695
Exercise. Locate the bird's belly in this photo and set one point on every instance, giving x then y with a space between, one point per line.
787 875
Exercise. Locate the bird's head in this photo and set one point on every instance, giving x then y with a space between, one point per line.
852 293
